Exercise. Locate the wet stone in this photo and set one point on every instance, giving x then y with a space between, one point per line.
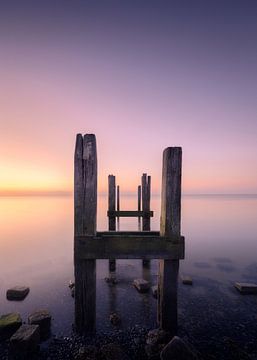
9 324
115 319
155 341
186 280
246 288
177 349
141 285
71 284
24 343
17 293
43 319
155 291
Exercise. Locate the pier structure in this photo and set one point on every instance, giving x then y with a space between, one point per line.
167 245
114 212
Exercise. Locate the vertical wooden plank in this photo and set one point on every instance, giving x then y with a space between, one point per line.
170 225
111 201
146 190
85 209
111 207
139 198
118 198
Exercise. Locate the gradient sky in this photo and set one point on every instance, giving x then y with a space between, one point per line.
141 75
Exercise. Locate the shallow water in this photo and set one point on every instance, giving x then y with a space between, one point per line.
36 249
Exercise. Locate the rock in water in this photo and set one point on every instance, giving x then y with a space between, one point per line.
141 285
115 319
17 293
155 291
155 341
177 349
43 319
246 288
9 323
71 284
24 343
113 352
186 280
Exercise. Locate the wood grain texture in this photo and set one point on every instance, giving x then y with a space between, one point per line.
128 247
85 208
170 226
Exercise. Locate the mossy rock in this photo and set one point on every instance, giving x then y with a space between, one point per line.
9 324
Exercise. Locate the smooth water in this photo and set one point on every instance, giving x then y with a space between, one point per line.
36 249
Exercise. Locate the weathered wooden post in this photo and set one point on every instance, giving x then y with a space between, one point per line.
85 207
111 208
139 206
170 227
118 198
146 195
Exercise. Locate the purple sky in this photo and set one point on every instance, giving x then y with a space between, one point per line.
141 75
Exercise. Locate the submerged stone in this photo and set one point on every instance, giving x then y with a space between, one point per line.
186 280
9 323
246 288
177 349
17 293
43 319
155 291
24 343
141 285
115 319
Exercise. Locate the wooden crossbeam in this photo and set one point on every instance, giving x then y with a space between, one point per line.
129 213
121 246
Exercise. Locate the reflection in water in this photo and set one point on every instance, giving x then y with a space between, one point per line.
36 249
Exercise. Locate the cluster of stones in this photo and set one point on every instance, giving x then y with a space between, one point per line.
25 338
160 345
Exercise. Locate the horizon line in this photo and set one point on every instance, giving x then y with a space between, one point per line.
14 193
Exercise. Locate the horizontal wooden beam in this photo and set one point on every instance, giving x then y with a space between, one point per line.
129 247
128 233
129 213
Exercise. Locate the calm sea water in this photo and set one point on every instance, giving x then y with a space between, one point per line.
36 249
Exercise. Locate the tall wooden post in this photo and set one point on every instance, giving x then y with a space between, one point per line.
170 226
146 195
111 207
85 207
118 198
139 196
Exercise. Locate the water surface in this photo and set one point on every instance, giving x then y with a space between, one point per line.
36 249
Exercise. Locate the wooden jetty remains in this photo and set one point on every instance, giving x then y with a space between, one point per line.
113 213
167 245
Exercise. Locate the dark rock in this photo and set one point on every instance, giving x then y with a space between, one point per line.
17 293
186 280
177 349
115 319
24 343
43 319
246 288
73 292
113 352
9 323
155 341
71 284
155 291
141 285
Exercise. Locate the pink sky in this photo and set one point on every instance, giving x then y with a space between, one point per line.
139 91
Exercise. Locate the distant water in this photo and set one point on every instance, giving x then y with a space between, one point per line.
36 249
